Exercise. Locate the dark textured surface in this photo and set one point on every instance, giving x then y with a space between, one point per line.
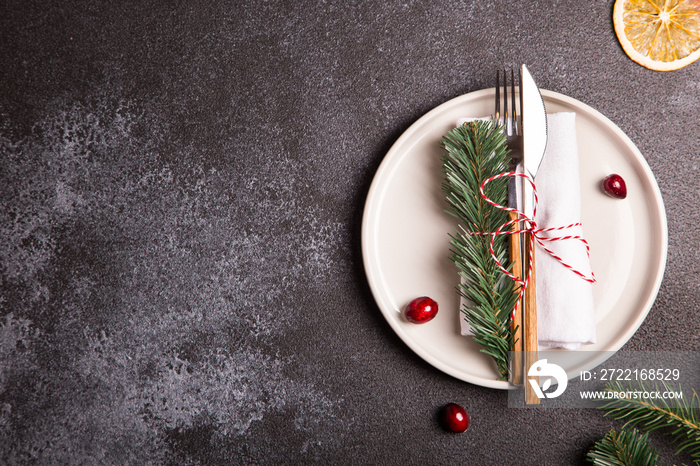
181 189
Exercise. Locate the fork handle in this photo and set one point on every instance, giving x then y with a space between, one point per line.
517 322
531 346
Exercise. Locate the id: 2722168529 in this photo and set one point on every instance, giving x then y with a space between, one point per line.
632 375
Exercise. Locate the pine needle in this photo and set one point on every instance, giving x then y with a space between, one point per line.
623 448
681 421
474 152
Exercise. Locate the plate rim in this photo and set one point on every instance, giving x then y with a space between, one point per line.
372 203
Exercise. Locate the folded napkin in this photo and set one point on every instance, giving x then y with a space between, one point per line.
565 312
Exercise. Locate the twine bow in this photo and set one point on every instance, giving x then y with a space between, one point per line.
532 229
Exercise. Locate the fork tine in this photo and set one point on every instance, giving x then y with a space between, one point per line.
497 112
514 113
506 120
520 90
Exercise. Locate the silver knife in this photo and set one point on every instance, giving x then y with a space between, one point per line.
534 131
534 128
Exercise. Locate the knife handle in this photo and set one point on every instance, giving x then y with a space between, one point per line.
517 322
531 345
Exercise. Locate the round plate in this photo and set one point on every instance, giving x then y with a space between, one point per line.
405 242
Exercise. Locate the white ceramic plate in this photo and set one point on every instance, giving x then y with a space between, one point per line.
405 236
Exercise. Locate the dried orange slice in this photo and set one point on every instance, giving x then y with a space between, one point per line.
661 35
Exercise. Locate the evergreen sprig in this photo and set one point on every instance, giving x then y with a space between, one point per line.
623 448
474 152
681 421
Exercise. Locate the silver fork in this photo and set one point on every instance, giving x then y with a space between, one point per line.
509 117
511 126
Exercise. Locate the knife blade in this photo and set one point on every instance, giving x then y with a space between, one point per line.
534 123
534 131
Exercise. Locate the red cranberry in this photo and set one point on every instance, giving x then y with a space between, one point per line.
421 310
615 186
455 418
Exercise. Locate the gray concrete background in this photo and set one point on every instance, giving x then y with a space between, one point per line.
181 191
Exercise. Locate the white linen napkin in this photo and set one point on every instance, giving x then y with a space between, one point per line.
565 311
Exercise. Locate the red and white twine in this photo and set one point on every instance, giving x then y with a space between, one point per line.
531 229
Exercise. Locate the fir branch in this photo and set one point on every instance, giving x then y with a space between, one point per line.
474 152
681 421
624 448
